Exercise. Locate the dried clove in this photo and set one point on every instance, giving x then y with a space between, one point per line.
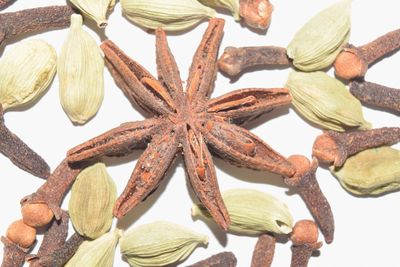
4 3
334 148
307 185
376 95
50 193
353 61
226 259
264 251
14 255
256 13
19 153
33 20
21 234
305 240
235 60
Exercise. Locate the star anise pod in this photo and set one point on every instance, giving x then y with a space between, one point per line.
185 121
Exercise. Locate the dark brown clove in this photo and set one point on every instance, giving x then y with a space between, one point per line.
4 3
353 61
256 13
376 95
333 147
21 234
226 259
264 251
50 193
307 185
235 60
305 240
14 255
33 20
53 240
19 153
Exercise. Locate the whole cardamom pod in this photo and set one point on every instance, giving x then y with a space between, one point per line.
316 45
371 172
26 71
231 5
159 243
93 196
253 212
95 9
80 71
98 252
171 15
325 101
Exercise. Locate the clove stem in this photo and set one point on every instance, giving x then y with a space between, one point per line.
14 255
264 251
226 259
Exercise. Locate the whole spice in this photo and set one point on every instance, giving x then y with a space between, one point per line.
305 240
172 15
306 183
371 172
353 61
316 45
253 212
98 252
226 259
80 71
37 214
334 148
13 255
33 20
95 9
27 71
256 13
185 122
325 101
376 95
264 251
92 200
159 244
19 153
4 3
21 234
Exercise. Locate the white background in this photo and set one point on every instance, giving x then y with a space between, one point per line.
367 229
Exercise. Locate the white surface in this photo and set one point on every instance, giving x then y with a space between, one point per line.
366 228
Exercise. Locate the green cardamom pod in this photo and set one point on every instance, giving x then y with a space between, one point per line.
316 45
371 172
26 71
253 212
171 15
93 196
95 9
80 71
325 101
96 253
159 243
231 5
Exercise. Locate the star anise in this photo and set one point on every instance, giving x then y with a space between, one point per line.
185 122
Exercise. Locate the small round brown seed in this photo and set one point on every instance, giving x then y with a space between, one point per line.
304 232
21 234
349 65
36 214
325 149
301 163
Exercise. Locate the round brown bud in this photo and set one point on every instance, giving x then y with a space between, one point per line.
349 65
325 149
36 214
21 234
304 232
301 163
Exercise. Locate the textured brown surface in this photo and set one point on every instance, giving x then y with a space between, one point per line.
223 259
14 256
264 251
185 122
236 60
301 254
376 95
256 13
4 3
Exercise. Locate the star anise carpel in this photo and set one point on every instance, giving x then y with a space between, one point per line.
185 122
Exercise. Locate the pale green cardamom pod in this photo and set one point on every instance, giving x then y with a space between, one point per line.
93 196
171 15
80 71
95 9
371 172
325 101
26 71
316 45
159 243
231 5
253 212
96 253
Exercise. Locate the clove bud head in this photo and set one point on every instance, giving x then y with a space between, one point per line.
36 214
304 232
325 149
257 13
21 234
348 65
301 163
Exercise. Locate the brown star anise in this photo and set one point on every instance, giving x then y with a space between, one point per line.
185 122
